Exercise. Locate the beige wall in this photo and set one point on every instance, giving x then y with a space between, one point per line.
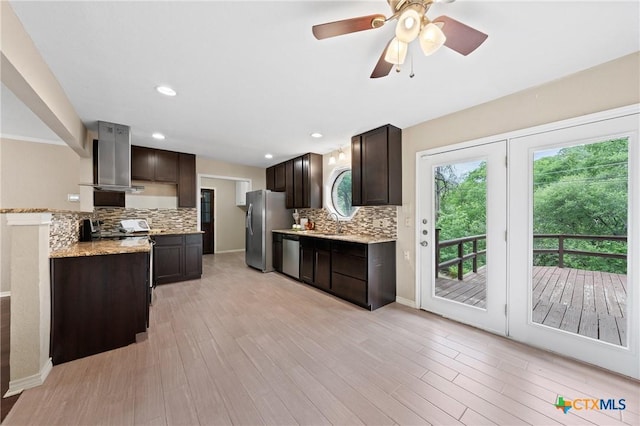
610 85
229 218
37 175
229 226
208 166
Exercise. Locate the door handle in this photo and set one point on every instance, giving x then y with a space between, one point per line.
250 219
424 243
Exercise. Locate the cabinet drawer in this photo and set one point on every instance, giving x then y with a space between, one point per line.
322 244
193 238
168 240
352 266
353 249
349 288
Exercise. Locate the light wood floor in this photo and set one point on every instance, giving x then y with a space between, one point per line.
241 347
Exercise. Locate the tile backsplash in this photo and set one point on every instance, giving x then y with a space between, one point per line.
65 226
64 229
173 219
362 222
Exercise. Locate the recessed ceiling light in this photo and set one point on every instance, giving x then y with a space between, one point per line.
268 156
158 136
316 135
166 90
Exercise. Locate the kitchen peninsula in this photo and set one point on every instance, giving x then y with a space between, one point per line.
99 296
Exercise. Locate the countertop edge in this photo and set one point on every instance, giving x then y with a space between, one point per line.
360 239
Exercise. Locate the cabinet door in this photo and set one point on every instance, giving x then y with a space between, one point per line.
289 178
306 260
166 166
277 254
193 259
375 167
356 171
186 180
271 178
280 178
322 276
298 183
142 163
168 260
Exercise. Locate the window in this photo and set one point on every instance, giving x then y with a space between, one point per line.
339 193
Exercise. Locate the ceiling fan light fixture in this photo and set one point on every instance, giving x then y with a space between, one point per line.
396 52
408 26
431 38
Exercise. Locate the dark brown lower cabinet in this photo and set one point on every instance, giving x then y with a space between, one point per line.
98 303
364 274
177 257
277 252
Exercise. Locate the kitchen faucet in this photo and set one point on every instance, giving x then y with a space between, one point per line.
334 216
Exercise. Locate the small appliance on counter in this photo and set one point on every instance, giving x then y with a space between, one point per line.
134 225
90 229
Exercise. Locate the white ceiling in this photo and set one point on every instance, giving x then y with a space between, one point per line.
252 79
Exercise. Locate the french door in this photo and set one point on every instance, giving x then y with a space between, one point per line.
574 205
546 250
461 235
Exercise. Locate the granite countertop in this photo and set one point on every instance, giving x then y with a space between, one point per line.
362 239
103 247
173 232
40 210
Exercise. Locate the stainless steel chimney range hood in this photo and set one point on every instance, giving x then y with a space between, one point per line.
114 158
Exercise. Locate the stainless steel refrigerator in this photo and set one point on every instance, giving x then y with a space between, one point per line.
266 211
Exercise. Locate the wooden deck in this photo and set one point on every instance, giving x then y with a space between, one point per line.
589 303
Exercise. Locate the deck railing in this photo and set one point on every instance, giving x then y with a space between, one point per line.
560 251
462 257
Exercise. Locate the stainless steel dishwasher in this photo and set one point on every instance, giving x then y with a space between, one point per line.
291 255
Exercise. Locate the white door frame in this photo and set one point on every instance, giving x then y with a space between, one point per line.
522 328
491 318
634 223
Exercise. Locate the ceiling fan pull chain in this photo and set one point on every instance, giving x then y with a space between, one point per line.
411 74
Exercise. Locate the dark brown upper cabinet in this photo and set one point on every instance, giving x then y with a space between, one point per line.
307 182
288 170
276 178
271 178
155 165
376 167
301 180
186 180
279 178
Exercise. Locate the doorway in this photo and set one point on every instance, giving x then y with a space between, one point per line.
207 220
556 261
461 234
572 237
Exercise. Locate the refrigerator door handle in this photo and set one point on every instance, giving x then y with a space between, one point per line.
250 218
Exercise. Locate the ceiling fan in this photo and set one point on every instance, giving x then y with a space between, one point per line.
412 24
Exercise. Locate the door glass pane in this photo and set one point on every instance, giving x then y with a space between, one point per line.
579 271
461 224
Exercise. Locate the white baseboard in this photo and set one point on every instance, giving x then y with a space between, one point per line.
406 302
5 294
229 251
17 386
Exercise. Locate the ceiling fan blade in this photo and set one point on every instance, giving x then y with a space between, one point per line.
383 68
460 37
346 26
